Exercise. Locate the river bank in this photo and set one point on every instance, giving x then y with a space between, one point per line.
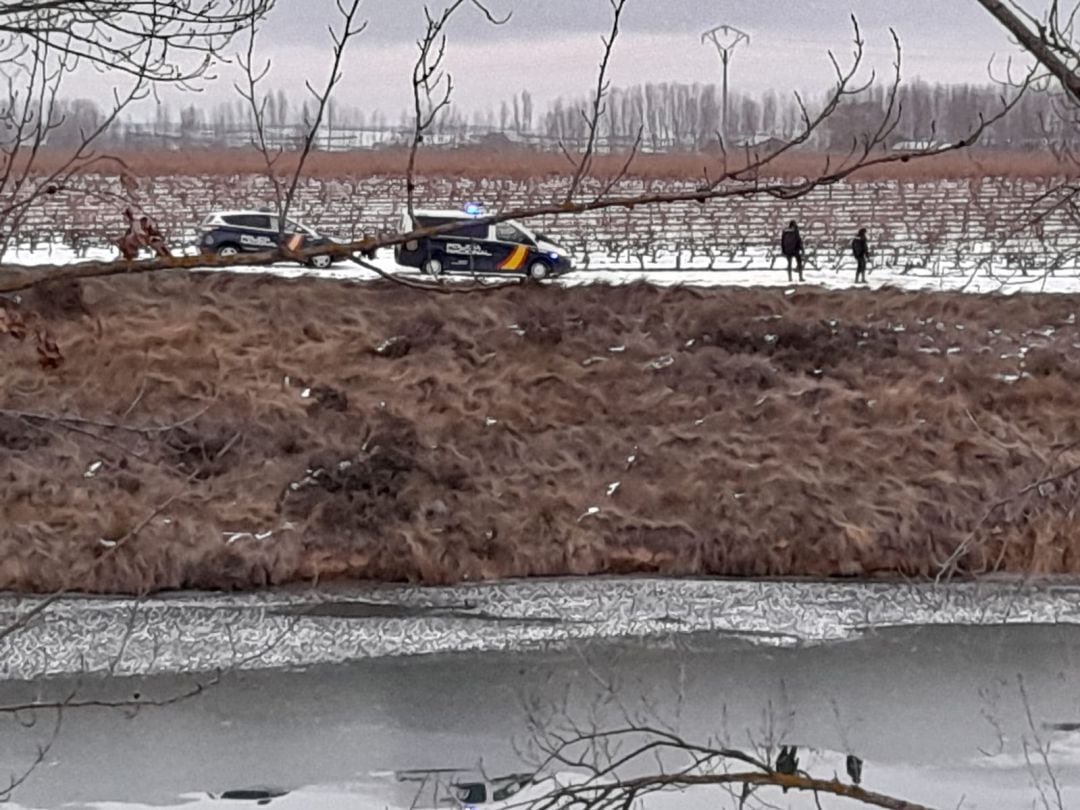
226 431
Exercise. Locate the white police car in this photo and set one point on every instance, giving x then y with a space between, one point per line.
230 233
503 248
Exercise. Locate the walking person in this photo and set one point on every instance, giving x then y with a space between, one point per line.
860 249
792 247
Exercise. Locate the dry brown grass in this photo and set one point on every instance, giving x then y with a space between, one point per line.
525 165
789 435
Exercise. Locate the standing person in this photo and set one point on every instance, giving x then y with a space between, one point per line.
792 247
141 232
154 238
860 249
131 241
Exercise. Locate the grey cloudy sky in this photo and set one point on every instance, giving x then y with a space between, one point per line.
394 20
551 47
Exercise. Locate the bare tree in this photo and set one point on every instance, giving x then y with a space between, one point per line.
1054 44
431 85
602 768
177 41
619 752
260 104
140 44
1050 40
599 107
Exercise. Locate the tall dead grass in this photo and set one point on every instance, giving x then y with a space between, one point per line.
274 432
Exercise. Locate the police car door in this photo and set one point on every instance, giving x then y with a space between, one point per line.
255 232
467 248
511 248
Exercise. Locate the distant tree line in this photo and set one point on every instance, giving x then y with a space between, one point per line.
689 116
668 116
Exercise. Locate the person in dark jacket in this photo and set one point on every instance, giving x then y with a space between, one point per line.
792 247
854 769
787 761
860 249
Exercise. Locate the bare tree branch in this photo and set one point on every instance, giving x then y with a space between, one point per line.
143 42
147 39
350 28
594 796
596 114
1046 46
41 751
431 85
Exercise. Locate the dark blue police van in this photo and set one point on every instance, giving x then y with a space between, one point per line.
480 248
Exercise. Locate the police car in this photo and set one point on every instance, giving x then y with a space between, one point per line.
230 233
503 248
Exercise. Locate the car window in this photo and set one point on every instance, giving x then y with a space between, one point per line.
471 793
508 232
506 791
464 229
296 227
249 221
470 230
430 222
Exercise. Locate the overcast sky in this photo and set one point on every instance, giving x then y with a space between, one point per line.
551 47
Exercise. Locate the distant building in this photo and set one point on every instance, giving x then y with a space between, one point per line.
915 145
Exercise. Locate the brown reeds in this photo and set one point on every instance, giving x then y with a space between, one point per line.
300 430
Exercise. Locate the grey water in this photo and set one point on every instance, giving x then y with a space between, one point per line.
946 715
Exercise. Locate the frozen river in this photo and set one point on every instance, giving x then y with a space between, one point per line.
354 698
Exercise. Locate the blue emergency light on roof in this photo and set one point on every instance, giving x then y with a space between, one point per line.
474 209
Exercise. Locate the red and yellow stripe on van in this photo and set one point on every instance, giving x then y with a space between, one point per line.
515 259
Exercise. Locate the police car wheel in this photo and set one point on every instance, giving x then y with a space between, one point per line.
538 271
320 262
228 251
433 266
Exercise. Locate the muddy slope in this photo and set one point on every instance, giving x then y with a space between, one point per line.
240 431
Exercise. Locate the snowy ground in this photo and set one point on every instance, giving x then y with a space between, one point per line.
753 269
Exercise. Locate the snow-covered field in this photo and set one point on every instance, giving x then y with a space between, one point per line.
931 227
753 269
938 235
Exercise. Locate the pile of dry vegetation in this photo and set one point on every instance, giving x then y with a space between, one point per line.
235 431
